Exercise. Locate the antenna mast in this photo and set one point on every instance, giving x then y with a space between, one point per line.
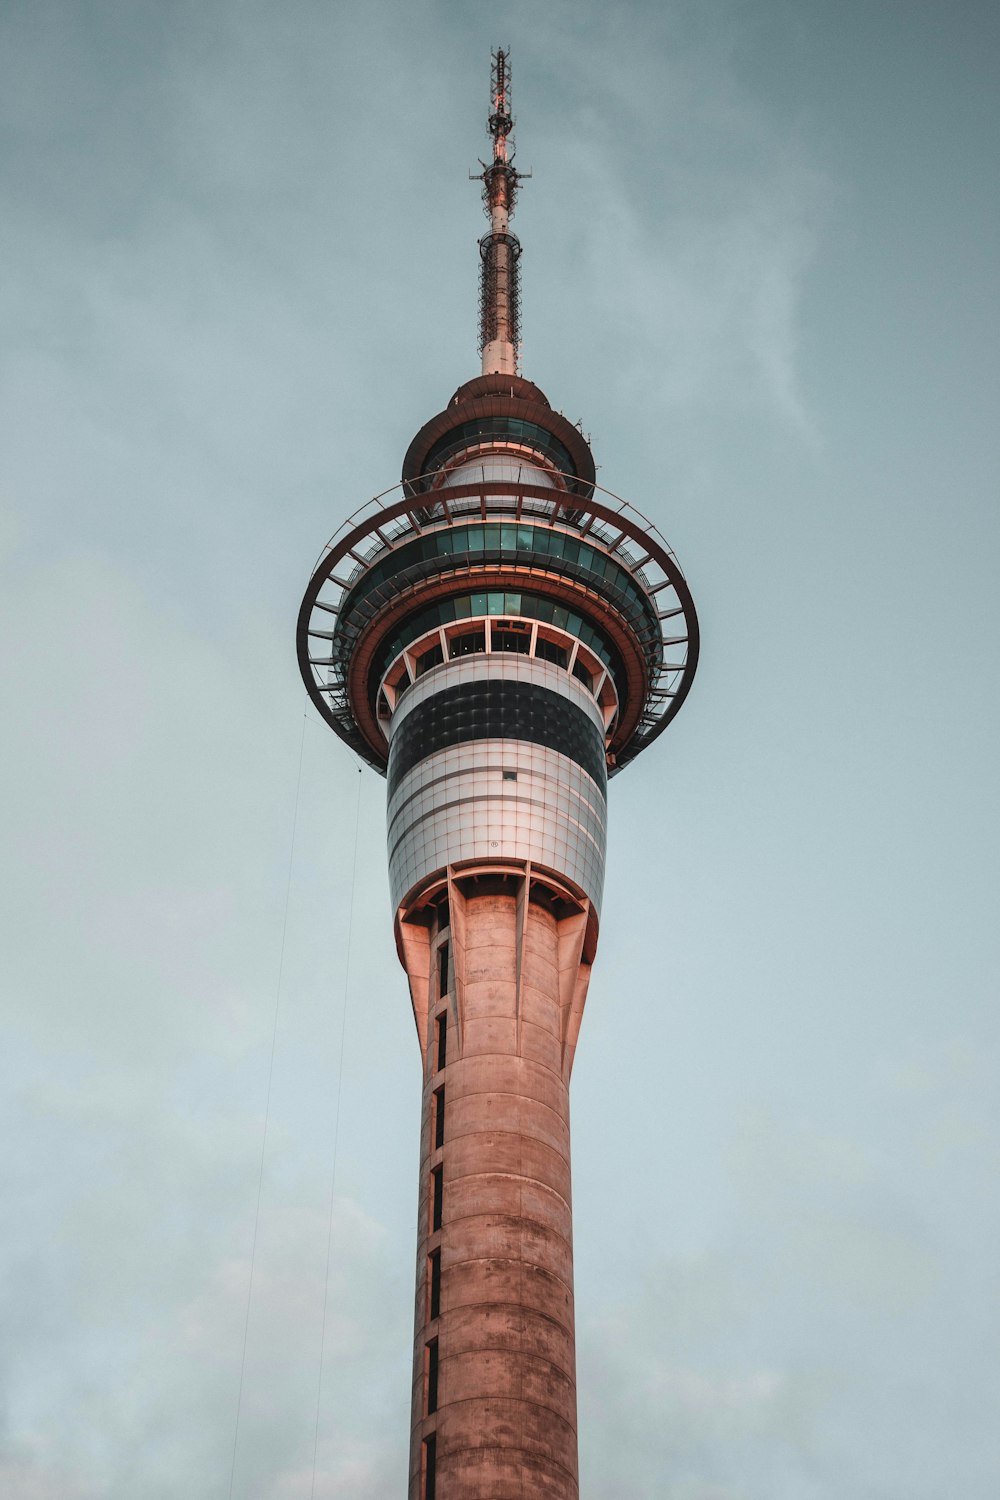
500 251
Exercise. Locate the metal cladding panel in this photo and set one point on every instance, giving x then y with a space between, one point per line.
497 709
494 666
498 396
496 797
512 470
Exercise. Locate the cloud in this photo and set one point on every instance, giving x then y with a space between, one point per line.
678 218
239 269
666 1411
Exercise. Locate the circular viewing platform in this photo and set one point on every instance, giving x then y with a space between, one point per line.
415 578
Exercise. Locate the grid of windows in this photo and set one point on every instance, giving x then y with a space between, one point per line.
496 542
469 643
431 658
514 429
516 640
551 651
497 709
495 602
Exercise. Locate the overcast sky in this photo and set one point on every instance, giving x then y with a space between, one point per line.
238 270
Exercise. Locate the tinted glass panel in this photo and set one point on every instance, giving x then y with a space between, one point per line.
511 640
432 658
497 709
531 606
469 644
549 651
469 434
420 558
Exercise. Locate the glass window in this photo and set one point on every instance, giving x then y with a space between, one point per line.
551 651
473 433
467 644
431 658
512 640
417 558
464 606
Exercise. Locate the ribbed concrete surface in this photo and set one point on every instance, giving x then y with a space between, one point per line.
505 1424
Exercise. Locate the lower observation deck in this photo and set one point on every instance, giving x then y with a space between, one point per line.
590 578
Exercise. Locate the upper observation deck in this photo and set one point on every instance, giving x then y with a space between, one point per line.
498 539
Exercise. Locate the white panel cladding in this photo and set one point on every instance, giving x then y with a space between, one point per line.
497 798
512 468
495 666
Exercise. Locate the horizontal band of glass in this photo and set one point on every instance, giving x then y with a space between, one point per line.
496 602
494 708
499 542
515 429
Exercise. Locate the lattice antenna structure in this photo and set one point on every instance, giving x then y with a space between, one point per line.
499 250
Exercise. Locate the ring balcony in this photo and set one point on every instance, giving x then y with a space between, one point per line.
589 567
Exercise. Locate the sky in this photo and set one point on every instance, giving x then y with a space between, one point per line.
238 270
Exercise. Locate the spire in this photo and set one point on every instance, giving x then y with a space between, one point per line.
500 251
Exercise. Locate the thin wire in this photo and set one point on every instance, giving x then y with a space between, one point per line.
336 1135
267 1107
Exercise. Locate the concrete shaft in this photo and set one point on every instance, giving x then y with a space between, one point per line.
494 1375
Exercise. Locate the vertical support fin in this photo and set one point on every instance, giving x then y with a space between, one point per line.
413 942
574 981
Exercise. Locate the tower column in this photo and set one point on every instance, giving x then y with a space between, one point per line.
497 637
494 1375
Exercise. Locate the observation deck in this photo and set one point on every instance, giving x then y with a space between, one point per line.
498 597
489 552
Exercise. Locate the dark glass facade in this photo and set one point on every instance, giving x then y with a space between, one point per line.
497 542
499 709
496 602
494 430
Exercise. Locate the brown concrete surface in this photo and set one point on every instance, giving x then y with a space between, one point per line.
505 1423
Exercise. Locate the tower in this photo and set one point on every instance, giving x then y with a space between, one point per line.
497 636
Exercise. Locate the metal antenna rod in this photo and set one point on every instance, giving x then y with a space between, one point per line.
500 251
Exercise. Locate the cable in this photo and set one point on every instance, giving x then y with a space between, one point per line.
267 1109
336 1135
